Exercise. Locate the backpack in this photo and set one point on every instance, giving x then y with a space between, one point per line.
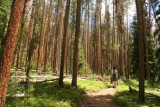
114 74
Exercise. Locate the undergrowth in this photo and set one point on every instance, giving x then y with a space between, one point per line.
124 98
50 94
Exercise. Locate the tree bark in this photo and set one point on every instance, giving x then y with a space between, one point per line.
66 21
41 37
58 34
77 35
7 55
107 17
46 35
120 30
20 39
141 24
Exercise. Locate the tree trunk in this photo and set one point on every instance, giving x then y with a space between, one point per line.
20 38
141 24
46 35
67 48
107 17
114 63
58 35
98 38
41 32
7 55
66 21
120 26
30 41
77 35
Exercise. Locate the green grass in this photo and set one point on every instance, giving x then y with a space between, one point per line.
51 95
92 85
126 99
48 95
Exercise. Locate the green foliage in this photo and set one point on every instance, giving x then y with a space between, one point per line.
127 99
83 67
151 53
49 67
5 7
13 87
135 51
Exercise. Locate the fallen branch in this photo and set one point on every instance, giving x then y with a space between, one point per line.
56 79
100 78
38 81
16 96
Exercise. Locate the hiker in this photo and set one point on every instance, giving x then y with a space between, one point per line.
114 77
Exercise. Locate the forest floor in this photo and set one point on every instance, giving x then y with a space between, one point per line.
103 98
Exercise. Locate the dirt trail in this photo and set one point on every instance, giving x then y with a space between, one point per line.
103 98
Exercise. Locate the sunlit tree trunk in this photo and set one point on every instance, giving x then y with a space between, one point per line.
10 41
19 44
46 35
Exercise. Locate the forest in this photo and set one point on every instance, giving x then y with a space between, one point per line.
64 53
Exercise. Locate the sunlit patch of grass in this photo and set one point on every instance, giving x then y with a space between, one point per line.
92 85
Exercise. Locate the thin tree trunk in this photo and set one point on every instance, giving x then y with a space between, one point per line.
46 36
67 48
41 32
77 35
57 38
107 35
114 63
66 21
98 39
